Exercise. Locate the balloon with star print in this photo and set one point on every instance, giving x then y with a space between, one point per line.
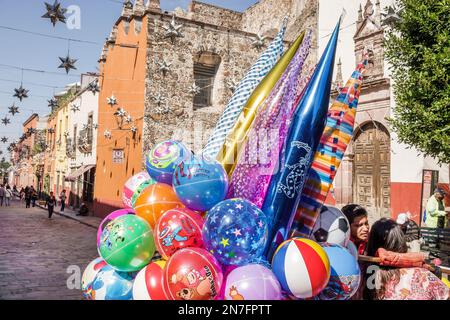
235 232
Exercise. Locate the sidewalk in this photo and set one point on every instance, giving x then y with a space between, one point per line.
90 221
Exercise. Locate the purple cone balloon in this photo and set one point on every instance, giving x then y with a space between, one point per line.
109 218
252 282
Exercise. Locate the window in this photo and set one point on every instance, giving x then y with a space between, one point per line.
74 146
206 65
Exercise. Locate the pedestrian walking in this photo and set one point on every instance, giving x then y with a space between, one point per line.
27 197
8 195
50 203
2 195
62 198
34 196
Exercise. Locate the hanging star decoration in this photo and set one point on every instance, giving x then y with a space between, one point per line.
55 12
134 129
52 103
259 41
4 140
75 108
390 17
173 30
31 131
120 112
6 121
112 101
94 87
107 134
194 89
232 84
67 63
95 126
128 119
21 93
159 99
164 109
13 109
164 67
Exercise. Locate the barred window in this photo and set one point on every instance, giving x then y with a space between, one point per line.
206 65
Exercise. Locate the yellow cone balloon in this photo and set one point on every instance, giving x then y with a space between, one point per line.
236 138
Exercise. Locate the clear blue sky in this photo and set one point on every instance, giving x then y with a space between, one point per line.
36 52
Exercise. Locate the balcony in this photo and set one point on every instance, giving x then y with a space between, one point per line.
85 140
70 149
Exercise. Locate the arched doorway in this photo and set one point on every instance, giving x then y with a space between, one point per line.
371 169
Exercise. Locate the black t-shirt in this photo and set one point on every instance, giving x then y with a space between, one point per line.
51 201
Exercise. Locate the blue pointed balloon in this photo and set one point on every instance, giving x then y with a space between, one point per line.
286 185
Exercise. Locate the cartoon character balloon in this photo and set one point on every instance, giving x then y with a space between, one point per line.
92 269
162 160
192 274
235 231
177 229
110 284
110 217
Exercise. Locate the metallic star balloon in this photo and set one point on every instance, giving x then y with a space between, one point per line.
52 103
6 121
55 12
390 17
259 42
4 140
194 89
94 87
112 101
13 109
21 93
67 63
173 30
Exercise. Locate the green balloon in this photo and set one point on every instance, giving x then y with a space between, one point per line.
127 243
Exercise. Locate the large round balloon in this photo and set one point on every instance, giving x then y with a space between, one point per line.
351 247
154 201
162 160
110 284
110 217
133 184
149 281
199 183
139 190
345 274
302 267
94 267
127 243
331 226
252 282
236 232
192 274
176 229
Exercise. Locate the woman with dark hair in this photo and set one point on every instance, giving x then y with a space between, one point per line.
400 283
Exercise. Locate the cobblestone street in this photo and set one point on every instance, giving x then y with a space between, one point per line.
35 253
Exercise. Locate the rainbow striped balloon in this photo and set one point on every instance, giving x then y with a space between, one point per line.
302 267
333 143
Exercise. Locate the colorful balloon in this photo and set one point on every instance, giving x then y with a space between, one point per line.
127 243
162 160
88 277
345 274
302 267
110 284
154 201
192 274
148 284
252 282
110 217
139 190
331 226
200 183
132 185
177 229
351 247
235 231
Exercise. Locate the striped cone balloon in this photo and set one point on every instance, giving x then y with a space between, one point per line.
240 96
302 267
333 143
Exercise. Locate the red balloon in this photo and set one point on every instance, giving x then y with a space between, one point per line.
176 229
148 284
192 274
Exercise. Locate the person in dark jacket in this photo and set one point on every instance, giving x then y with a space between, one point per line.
50 203
411 231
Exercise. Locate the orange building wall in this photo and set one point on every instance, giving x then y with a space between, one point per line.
122 75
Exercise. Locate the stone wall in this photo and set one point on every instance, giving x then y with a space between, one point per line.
211 14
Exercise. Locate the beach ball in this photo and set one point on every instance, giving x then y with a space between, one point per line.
302 267
133 184
88 277
345 274
192 274
148 282
331 226
252 282
235 232
176 229
351 247
154 201
110 284
162 160
139 190
200 183
110 217
127 243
